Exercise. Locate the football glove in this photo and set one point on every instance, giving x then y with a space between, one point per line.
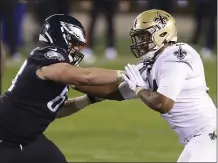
134 79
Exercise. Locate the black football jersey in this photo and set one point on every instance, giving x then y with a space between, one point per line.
31 103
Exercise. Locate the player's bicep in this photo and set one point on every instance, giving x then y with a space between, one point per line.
171 79
51 72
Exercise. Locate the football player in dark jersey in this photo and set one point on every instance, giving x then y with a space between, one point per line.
40 89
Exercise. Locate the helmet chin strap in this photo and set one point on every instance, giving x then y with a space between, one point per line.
150 55
155 52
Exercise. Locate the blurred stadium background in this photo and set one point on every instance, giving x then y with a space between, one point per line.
114 131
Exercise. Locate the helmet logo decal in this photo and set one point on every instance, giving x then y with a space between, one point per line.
180 54
74 30
160 19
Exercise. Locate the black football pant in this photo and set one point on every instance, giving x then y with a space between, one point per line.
7 12
208 10
53 7
41 150
108 9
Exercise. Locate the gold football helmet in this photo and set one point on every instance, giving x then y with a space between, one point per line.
151 30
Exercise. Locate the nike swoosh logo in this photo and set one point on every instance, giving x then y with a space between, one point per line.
197 135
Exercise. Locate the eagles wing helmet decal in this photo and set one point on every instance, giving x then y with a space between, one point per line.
74 30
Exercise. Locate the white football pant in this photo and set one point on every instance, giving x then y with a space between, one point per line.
201 148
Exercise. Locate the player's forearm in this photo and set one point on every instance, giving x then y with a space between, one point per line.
73 105
100 91
69 108
100 76
72 75
154 100
90 76
116 96
109 92
76 104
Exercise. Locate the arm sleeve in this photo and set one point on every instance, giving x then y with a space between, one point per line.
171 78
126 92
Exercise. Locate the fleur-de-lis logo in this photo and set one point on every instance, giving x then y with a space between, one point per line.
160 19
180 54
213 135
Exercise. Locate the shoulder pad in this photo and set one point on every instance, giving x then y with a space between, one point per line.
178 53
54 55
48 55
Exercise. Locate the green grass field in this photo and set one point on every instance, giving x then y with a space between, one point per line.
116 131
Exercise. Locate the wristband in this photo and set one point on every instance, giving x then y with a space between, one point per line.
119 76
81 102
138 89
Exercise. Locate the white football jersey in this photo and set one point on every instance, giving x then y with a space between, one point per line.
178 74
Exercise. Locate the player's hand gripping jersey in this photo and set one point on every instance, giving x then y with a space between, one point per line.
30 104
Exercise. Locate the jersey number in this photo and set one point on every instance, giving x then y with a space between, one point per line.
54 104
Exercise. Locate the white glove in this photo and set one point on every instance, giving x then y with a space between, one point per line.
134 79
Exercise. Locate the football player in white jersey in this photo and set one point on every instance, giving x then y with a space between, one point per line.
170 80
